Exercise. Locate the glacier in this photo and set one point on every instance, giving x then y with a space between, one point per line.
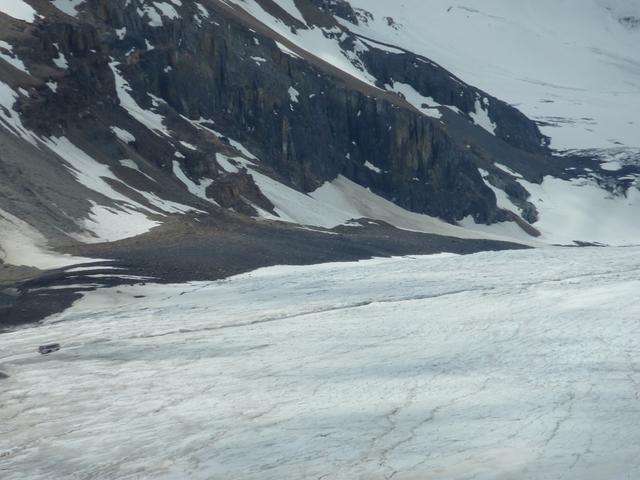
514 364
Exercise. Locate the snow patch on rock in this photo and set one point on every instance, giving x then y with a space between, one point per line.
70 7
18 9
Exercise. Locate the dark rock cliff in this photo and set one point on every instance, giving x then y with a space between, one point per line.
223 68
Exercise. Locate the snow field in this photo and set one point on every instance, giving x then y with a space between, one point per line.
519 364
572 65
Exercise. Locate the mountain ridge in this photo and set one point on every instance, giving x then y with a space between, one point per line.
144 110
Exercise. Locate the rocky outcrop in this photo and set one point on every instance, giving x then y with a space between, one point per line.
306 121
338 8
237 192
332 127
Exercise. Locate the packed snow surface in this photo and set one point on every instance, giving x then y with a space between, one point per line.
521 364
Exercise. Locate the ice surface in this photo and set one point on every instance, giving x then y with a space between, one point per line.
510 365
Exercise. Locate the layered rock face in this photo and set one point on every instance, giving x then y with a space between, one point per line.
207 62
189 101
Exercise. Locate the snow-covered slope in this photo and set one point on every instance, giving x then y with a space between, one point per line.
111 192
22 245
495 365
342 202
154 155
573 65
